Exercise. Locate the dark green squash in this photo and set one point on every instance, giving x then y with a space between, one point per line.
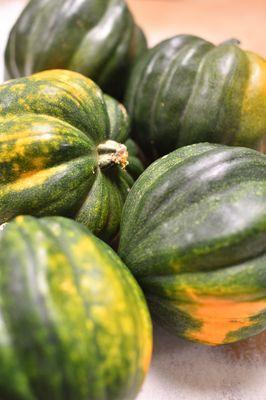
186 90
57 153
193 233
74 323
97 38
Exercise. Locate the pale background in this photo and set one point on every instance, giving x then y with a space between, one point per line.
182 370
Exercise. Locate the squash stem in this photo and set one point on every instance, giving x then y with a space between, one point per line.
112 153
232 41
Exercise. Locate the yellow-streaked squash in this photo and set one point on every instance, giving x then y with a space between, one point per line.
74 323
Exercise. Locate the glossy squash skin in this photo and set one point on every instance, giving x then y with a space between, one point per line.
186 90
193 233
96 38
57 156
74 323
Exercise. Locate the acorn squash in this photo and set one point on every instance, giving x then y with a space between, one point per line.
186 90
57 153
96 38
193 233
74 323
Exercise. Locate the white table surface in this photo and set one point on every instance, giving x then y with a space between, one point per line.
182 370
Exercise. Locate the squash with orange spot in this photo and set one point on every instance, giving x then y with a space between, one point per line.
186 90
74 322
193 233
59 151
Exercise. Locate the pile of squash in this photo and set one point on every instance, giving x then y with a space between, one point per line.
83 247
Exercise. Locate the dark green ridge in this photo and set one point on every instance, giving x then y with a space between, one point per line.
148 179
103 206
141 95
178 199
95 209
133 85
137 99
178 78
212 242
119 131
221 193
67 371
119 120
13 68
198 176
185 90
215 103
135 166
192 161
103 44
124 180
55 98
146 95
48 14
99 52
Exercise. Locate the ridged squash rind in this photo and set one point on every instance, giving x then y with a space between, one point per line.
51 125
74 323
185 90
193 233
98 39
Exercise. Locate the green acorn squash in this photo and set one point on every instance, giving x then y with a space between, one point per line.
57 153
74 323
96 38
193 233
186 90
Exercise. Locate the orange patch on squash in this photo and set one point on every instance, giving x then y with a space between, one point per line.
220 316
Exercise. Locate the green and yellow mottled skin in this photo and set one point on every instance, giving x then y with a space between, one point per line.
97 38
193 233
186 90
51 125
74 323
